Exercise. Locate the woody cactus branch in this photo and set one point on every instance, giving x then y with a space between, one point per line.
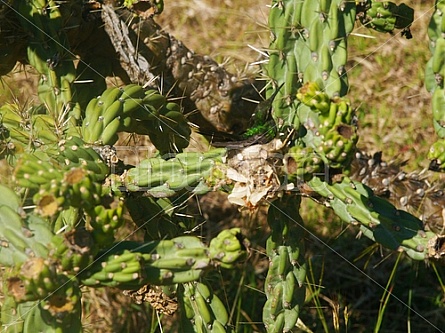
220 96
413 191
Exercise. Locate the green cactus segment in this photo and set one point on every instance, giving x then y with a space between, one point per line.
12 314
104 115
72 178
73 250
132 109
284 285
385 16
47 53
14 241
438 105
379 220
69 185
33 172
200 306
164 178
20 237
57 189
105 220
25 246
169 132
434 81
228 248
9 198
157 264
309 44
60 312
74 153
331 136
36 279
26 128
129 265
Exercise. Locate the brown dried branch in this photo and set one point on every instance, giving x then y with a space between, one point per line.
412 191
146 51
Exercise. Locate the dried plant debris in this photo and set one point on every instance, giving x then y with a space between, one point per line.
156 297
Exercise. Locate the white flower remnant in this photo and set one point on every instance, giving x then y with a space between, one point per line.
254 171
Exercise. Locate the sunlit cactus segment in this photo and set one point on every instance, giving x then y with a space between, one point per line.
23 126
72 178
308 44
105 221
75 153
163 178
129 265
135 110
331 136
228 248
21 238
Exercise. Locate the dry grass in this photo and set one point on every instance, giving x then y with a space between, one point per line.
222 29
386 79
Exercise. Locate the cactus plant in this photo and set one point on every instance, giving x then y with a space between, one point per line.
435 84
65 168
